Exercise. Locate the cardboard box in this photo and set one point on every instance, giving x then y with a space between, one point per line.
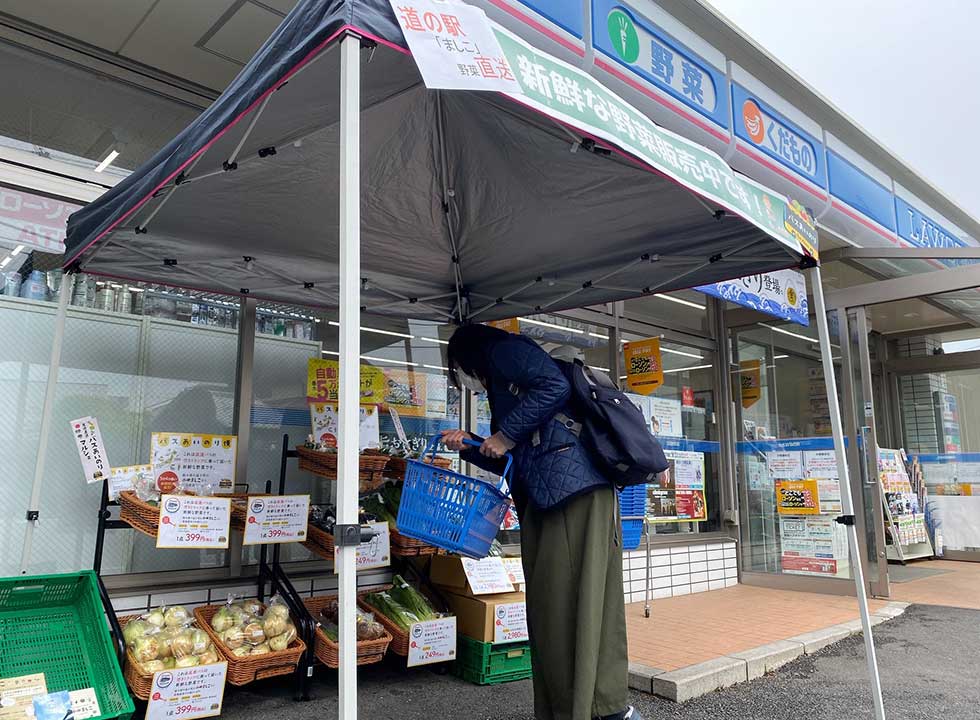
447 571
477 617
490 575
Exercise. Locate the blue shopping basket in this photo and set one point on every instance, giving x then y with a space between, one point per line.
450 510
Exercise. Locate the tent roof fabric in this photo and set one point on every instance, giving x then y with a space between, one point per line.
474 205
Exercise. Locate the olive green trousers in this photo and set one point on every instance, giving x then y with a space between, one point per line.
573 565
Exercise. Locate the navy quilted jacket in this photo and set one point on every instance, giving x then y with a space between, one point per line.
525 390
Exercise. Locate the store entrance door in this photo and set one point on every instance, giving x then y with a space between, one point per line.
861 435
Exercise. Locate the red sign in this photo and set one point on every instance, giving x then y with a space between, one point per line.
33 221
687 396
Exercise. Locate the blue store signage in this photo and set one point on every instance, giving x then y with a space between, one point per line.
764 128
563 13
781 294
921 230
860 191
636 43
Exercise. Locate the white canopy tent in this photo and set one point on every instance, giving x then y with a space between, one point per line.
448 205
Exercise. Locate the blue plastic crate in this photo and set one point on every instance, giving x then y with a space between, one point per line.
632 534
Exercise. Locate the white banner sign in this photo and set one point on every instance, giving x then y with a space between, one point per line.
785 464
276 519
376 552
187 693
202 464
324 420
454 46
510 623
487 576
399 428
191 521
91 449
781 293
665 417
432 641
128 478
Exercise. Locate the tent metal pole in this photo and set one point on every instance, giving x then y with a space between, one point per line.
50 390
349 388
847 500
248 131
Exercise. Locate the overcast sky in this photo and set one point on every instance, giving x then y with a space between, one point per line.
905 70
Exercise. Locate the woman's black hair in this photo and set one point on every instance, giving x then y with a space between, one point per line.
469 350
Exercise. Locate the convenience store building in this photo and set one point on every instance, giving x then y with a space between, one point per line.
190 357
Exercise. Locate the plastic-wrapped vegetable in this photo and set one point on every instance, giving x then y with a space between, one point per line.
407 596
391 609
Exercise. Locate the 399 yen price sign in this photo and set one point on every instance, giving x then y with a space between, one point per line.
454 46
190 521
276 519
187 693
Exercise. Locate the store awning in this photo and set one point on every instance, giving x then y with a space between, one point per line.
474 204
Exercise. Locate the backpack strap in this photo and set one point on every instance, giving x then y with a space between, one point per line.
571 425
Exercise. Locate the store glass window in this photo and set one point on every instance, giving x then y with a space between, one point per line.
785 446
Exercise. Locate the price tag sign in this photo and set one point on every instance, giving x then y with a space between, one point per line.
190 521
276 519
515 570
432 641
91 449
487 576
376 552
510 623
187 693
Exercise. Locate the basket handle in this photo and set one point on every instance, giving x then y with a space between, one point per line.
430 449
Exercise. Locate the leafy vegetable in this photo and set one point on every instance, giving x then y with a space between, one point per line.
391 609
410 598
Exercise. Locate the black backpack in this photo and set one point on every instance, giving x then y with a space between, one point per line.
611 428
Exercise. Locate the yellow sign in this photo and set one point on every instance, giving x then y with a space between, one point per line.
405 391
644 368
800 225
323 377
511 325
751 378
797 497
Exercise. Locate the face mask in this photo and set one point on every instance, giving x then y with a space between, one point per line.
470 383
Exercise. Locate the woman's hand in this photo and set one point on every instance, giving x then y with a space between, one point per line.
453 439
496 445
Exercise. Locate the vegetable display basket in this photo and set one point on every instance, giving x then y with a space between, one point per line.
397 466
243 670
145 517
399 638
55 624
328 652
450 510
404 546
319 542
371 464
487 664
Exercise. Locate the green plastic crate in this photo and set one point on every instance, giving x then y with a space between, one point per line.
55 624
488 664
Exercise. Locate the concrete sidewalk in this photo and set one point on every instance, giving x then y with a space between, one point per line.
694 644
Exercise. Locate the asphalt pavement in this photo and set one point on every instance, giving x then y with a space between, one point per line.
929 658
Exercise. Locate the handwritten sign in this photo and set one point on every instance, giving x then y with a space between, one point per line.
797 497
487 576
432 641
201 464
91 449
510 623
454 46
187 693
276 519
191 521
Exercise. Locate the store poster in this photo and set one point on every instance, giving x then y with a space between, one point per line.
192 521
376 552
199 464
454 46
750 379
797 497
187 693
509 623
487 576
785 464
511 325
947 421
274 519
324 420
677 495
432 641
757 475
129 477
821 465
644 366
665 417
812 546
34 221
405 391
323 380
436 395
91 449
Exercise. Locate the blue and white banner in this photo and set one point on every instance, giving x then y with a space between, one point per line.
781 294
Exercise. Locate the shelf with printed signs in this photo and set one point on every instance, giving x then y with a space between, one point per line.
185 499
906 535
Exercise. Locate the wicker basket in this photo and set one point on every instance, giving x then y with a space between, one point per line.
403 546
141 515
398 465
319 542
242 671
324 464
327 651
399 638
140 682
239 509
